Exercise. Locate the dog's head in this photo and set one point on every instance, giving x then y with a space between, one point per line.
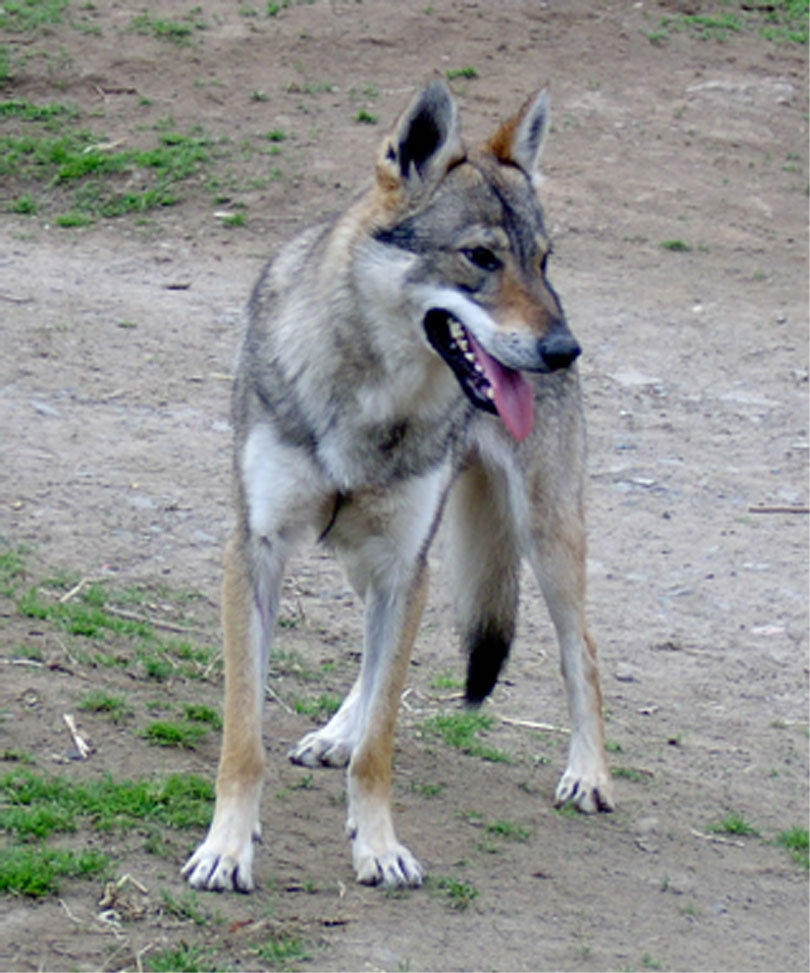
471 222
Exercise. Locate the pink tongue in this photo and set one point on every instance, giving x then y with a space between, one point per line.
514 398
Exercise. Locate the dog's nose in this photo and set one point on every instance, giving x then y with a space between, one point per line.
559 350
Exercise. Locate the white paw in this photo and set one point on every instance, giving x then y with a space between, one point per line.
587 791
224 861
395 867
319 749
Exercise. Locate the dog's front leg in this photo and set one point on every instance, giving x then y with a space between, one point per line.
250 604
558 559
392 621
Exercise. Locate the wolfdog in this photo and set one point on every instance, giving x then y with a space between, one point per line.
407 357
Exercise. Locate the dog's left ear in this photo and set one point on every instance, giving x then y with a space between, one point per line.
519 140
425 141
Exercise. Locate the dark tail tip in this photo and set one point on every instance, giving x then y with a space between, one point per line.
488 649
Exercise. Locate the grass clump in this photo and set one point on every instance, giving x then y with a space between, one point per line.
733 823
461 730
458 893
796 841
36 870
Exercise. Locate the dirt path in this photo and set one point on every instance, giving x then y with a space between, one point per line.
117 341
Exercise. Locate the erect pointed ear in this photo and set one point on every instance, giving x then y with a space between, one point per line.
424 142
520 139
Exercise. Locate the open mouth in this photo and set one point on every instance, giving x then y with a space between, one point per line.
488 384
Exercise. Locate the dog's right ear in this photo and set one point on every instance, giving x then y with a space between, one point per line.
425 141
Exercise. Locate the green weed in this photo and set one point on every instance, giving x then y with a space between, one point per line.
322 707
35 870
168 733
462 73
459 894
182 959
187 907
630 773
509 830
446 680
676 246
427 790
199 713
795 840
460 730
35 806
12 570
23 16
97 701
366 117
733 823
281 950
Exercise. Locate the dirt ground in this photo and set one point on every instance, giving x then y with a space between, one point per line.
117 342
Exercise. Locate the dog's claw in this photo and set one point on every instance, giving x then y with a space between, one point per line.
585 796
394 869
318 750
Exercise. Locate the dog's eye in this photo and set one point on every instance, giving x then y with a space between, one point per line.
483 258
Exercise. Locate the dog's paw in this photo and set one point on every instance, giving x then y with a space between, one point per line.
394 868
320 749
587 792
217 867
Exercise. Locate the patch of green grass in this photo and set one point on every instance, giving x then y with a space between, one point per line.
795 840
676 246
427 790
276 135
36 870
84 615
458 893
187 907
446 680
77 167
24 16
23 205
182 959
460 730
199 713
35 806
281 950
176 31
630 773
12 570
462 73
509 830
650 963
323 707
366 117
97 701
704 26
169 733
733 823
787 21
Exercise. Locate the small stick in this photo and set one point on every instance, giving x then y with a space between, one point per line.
779 510
531 725
82 747
717 838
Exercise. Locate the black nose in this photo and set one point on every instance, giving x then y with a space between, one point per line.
559 350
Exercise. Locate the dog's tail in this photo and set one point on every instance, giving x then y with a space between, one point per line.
488 648
485 566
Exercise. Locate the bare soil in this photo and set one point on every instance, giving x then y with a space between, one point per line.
117 342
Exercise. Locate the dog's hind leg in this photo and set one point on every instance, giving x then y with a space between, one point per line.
484 566
250 602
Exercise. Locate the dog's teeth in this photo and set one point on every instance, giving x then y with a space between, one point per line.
470 357
456 331
489 392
